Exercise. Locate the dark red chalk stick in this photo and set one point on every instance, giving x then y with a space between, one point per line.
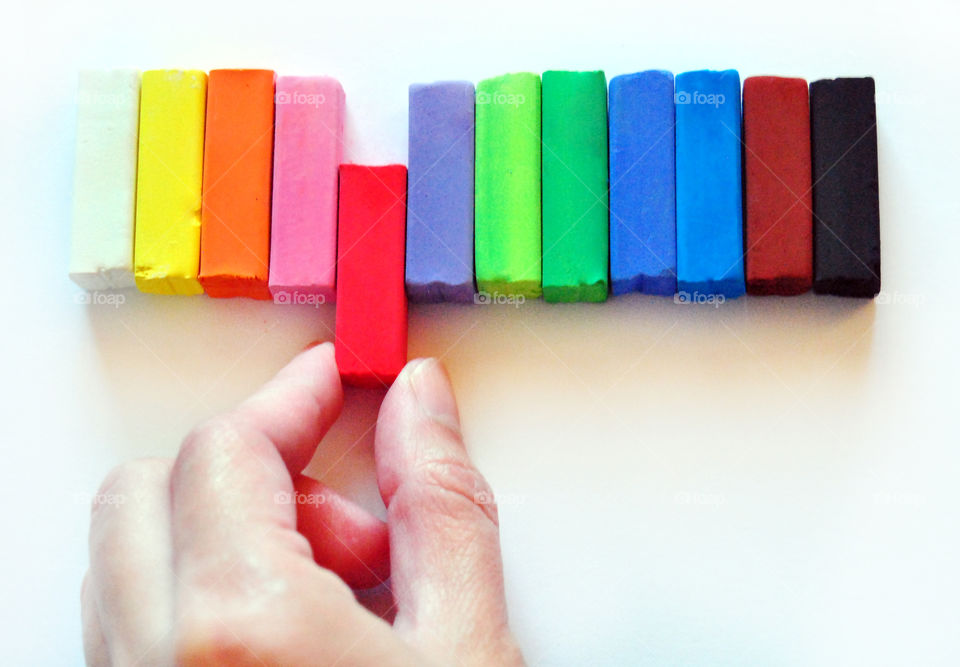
779 203
371 345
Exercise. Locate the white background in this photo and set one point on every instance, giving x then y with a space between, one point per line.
770 482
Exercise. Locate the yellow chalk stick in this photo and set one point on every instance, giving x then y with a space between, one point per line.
169 181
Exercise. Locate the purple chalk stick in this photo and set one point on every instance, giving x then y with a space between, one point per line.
440 192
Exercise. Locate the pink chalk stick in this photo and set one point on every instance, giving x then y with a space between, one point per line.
306 161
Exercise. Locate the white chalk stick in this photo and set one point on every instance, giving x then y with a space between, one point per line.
105 179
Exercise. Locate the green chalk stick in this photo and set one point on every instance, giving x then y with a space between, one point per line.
507 203
575 174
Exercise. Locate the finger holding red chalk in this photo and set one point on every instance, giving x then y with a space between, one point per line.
298 406
209 568
294 411
232 573
447 572
247 587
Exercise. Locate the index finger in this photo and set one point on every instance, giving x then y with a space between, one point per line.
297 407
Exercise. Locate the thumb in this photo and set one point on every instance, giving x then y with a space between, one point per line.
447 572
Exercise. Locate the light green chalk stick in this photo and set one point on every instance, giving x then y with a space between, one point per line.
507 206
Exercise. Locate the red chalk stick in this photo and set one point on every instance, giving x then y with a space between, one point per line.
344 538
371 345
779 218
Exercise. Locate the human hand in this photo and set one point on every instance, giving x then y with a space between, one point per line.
202 561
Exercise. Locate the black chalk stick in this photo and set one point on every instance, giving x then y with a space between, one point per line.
846 206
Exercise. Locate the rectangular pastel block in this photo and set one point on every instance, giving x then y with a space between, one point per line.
643 211
575 204
237 168
371 330
440 200
709 213
169 181
846 187
105 179
308 145
779 220
507 215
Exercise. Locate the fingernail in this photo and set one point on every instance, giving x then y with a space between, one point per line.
431 385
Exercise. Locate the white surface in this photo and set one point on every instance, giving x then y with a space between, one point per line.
105 179
771 482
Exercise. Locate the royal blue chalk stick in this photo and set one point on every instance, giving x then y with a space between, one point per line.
643 221
709 206
440 192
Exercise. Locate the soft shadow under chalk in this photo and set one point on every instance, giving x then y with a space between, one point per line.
169 362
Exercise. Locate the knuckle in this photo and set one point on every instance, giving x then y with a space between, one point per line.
218 445
124 480
214 433
215 441
454 487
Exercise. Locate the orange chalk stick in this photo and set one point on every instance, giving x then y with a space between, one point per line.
237 168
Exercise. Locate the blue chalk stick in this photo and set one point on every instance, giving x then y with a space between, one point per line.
643 222
440 192
709 207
